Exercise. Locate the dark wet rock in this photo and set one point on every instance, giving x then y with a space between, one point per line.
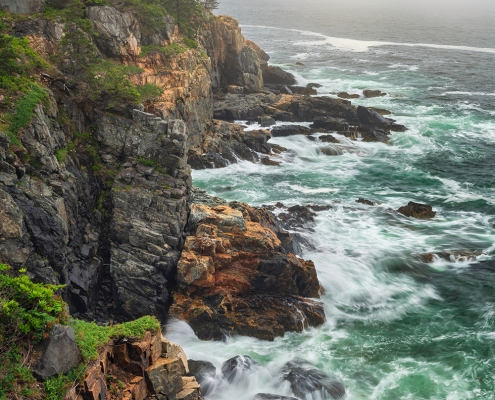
278 149
317 207
417 210
269 162
290 130
328 139
452 256
265 121
305 379
371 117
345 95
205 373
331 124
60 353
375 135
373 93
364 201
307 90
277 76
297 217
380 111
300 64
234 368
267 396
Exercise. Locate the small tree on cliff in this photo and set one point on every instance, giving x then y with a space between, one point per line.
210 4
188 14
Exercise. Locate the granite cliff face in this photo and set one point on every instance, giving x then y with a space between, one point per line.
97 196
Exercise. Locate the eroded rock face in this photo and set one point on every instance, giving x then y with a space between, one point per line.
277 76
235 61
234 277
22 6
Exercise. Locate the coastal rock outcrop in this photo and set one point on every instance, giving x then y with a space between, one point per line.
22 6
277 76
417 210
234 277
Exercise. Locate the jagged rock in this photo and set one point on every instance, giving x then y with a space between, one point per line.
297 217
22 6
277 76
263 57
417 210
166 35
289 130
267 396
364 201
262 286
235 368
269 162
119 33
234 60
307 90
60 353
373 93
369 116
305 379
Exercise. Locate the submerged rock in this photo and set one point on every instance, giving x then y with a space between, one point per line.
234 368
364 201
268 396
345 95
306 379
417 210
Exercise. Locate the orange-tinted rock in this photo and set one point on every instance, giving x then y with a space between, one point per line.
417 210
235 277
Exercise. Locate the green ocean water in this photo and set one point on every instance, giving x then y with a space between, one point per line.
397 327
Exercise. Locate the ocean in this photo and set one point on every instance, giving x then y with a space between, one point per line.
397 327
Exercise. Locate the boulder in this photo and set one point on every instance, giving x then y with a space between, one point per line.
265 121
307 90
268 396
373 93
417 210
277 76
331 151
290 130
345 95
60 353
305 379
236 367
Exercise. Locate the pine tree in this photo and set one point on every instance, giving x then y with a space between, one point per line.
210 4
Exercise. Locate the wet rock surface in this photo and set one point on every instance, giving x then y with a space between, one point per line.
417 210
305 379
235 277
277 76
267 396
289 130
235 368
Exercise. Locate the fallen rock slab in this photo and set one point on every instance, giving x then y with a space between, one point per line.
290 130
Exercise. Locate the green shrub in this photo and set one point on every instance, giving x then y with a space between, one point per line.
191 43
149 92
61 154
90 337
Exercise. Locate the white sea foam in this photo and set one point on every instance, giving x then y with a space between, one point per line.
363 45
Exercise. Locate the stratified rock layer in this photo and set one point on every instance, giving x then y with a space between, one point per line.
235 277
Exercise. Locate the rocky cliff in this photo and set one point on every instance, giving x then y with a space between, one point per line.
96 189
